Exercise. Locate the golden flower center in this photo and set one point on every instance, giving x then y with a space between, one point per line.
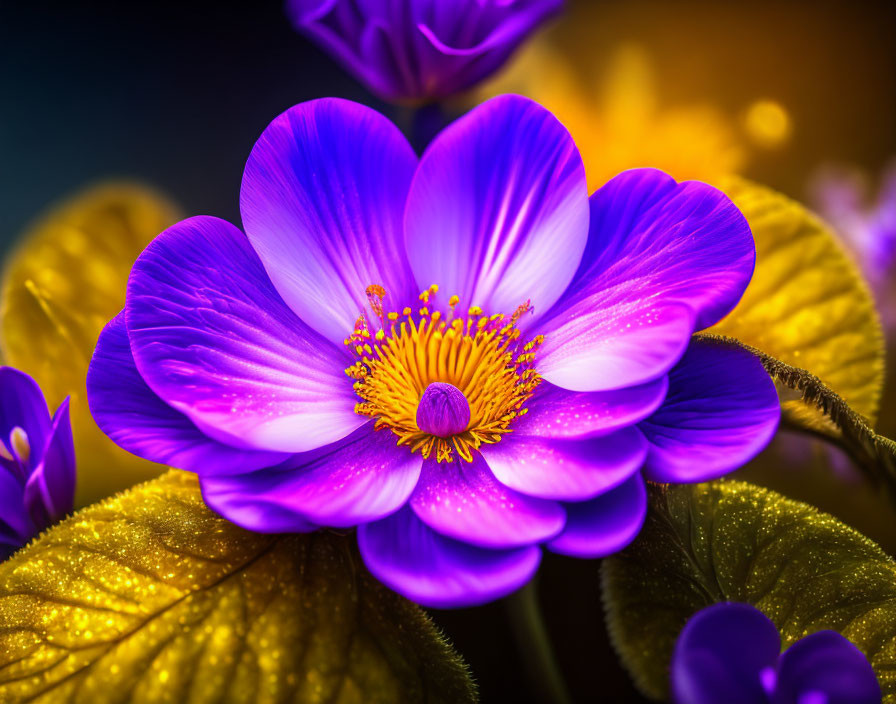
481 356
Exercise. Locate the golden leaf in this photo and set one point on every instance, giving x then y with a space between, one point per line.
731 541
807 305
150 597
64 283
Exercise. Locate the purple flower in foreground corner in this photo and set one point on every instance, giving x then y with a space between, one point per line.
420 49
37 461
299 370
731 652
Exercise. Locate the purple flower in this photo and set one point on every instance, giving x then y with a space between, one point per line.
866 223
731 652
37 461
299 370
420 49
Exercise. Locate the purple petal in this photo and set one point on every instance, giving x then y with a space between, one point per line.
497 213
50 490
136 419
461 65
604 525
668 241
662 260
361 478
827 665
437 572
463 500
22 405
16 527
322 198
720 656
611 341
721 410
424 50
554 412
214 340
566 470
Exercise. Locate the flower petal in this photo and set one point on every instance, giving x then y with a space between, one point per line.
566 470
50 490
322 198
604 525
656 251
214 340
609 341
438 572
721 653
721 410
462 65
22 405
555 412
136 419
497 212
420 51
668 241
828 665
361 478
463 500
16 527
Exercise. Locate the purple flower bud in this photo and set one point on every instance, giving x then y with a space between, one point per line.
420 50
443 410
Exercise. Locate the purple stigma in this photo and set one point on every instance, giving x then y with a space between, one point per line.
443 410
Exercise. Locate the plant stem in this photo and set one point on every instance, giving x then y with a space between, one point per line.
535 646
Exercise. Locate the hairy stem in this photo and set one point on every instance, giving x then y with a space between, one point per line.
874 454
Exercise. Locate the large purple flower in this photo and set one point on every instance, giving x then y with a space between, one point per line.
303 375
37 461
731 652
420 49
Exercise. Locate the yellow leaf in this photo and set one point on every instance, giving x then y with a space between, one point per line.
64 283
807 305
732 541
150 597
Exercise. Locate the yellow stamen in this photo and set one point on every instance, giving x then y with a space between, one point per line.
478 355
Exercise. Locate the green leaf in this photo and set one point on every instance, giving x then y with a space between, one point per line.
150 597
806 305
731 541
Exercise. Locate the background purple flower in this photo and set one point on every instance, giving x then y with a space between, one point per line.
300 370
37 461
420 49
731 652
866 221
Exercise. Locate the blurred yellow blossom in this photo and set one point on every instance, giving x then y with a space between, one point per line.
615 116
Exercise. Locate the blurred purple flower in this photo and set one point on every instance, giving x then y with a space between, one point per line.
731 652
865 221
298 371
37 461
420 50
